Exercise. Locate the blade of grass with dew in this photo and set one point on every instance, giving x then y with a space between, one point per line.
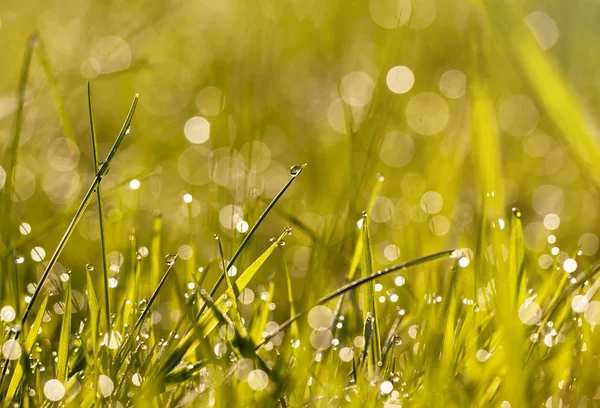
93 313
369 307
59 101
516 255
79 213
295 171
65 336
260 315
15 381
232 288
100 211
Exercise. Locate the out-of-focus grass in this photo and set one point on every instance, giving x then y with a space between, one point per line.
443 243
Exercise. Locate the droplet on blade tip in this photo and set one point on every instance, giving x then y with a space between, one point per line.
297 169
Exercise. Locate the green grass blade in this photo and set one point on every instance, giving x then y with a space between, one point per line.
294 332
79 213
207 321
231 287
260 317
93 312
295 171
65 336
17 375
516 256
369 306
100 212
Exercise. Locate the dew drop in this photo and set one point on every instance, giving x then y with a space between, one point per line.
106 385
516 212
297 169
90 267
54 390
170 259
11 350
7 314
258 380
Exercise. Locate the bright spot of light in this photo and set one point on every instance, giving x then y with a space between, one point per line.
134 184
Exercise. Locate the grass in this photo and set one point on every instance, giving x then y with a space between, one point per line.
232 277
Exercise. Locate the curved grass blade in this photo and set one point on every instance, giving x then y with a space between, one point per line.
359 282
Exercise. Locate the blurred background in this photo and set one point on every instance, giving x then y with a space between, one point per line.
443 103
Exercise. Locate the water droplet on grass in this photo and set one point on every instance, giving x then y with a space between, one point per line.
170 259
106 385
297 169
11 349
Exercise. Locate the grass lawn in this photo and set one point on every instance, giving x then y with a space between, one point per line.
299 203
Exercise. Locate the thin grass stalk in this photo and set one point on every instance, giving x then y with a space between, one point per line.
100 211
